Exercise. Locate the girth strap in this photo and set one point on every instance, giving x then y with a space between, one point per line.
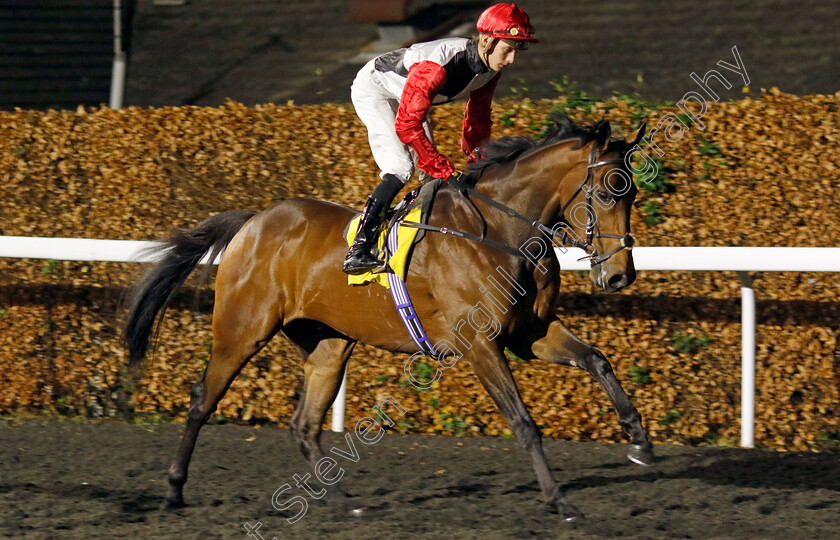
405 308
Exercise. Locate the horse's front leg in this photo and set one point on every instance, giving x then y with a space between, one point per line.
561 346
493 371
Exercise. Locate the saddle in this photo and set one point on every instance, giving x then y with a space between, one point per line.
415 207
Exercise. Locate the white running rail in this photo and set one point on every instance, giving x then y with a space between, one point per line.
716 259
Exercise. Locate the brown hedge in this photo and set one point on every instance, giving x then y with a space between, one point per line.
764 173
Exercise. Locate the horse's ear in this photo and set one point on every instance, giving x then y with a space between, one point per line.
604 133
637 135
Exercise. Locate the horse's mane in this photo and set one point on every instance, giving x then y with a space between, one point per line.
506 149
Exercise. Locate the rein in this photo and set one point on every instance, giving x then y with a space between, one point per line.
627 240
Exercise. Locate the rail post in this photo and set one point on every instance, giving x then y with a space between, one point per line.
338 404
747 361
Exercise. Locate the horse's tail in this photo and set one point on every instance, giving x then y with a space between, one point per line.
181 254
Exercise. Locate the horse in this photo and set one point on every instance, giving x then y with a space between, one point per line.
280 271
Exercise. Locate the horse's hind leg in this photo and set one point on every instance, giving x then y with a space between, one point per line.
323 370
561 346
493 371
234 343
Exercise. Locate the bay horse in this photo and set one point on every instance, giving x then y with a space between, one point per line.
281 272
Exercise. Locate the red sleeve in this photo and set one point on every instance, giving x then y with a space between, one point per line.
425 80
477 122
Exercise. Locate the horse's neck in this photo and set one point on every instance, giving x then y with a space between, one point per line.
529 185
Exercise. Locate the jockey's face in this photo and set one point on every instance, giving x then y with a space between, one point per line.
501 56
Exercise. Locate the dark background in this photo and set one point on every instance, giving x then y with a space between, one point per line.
268 51
58 53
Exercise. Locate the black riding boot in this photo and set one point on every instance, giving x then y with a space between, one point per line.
359 259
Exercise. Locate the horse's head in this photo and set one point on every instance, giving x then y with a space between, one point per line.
595 198
578 183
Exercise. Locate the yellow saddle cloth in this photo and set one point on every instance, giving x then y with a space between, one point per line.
398 260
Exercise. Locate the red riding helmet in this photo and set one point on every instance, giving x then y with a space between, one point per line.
506 21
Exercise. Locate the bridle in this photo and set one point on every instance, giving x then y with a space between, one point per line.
626 240
592 232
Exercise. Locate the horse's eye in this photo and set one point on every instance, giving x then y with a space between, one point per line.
604 195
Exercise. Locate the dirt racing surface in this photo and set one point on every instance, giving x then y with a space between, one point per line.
107 480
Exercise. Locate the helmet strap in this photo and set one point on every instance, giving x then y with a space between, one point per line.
485 47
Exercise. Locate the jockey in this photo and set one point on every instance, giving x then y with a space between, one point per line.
392 95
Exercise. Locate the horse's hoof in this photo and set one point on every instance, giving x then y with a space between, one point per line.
641 455
573 516
342 504
174 504
567 511
348 510
174 499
